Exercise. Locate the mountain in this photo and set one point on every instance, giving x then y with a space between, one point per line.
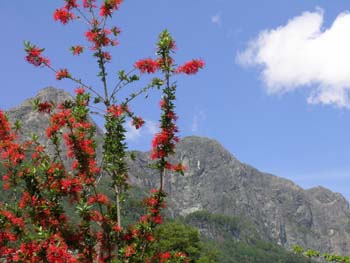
216 183
282 211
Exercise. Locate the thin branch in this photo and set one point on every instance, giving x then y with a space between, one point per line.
77 81
134 95
83 16
117 86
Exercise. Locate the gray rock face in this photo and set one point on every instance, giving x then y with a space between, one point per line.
217 182
281 210
33 121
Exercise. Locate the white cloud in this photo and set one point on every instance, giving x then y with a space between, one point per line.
216 19
133 134
151 127
303 54
198 117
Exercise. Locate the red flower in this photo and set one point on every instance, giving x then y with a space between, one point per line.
117 228
162 104
105 10
152 201
116 110
99 198
45 107
79 91
108 7
179 168
106 56
191 67
91 35
129 251
34 56
5 128
161 138
62 73
138 122
147 65
77 50
71 4
164 256
99 38
63 15
157 219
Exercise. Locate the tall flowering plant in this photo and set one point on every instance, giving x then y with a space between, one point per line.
35 225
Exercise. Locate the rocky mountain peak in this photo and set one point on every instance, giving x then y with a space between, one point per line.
53 94
47 94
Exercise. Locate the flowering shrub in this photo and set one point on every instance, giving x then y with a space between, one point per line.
35 225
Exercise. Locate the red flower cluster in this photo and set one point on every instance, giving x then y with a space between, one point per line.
57 121
70 4
106 55
77 50
179 168
98 198
79 91
116 110
5 128
100 38
108 7
63 15
45 107
34 56
130 250
164 257
138 122
163 143
17 221
191 67
11 152
147 65
62 73
71 186
57 251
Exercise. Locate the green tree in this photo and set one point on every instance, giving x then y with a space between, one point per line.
176 236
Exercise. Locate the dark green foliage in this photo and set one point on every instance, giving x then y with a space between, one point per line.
223 227
236 240
176 236
260 252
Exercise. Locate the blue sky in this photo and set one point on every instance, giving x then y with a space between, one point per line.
274 90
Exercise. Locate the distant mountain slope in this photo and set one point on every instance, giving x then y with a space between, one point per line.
217 182
282 211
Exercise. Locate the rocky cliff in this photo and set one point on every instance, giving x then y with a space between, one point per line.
217 182
282 211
